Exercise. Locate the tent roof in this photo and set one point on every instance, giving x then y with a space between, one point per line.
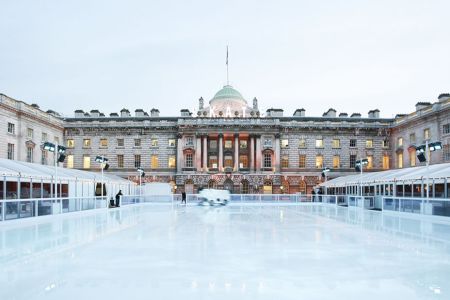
13 168
438 171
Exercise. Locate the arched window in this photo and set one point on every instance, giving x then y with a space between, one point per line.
244 186
302 187
267 188
212 184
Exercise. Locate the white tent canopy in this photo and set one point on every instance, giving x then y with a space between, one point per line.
438 173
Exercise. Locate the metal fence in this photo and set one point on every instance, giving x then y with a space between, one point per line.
424 206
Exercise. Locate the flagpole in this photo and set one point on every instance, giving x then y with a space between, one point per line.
228 82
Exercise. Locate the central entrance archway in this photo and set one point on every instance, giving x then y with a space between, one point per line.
228 185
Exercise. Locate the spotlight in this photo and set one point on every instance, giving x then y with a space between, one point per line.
49 146
421 157
61 158
106 167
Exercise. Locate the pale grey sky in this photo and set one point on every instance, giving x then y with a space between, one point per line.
353 56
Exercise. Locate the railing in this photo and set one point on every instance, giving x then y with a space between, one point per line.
367 202
25 208
424 206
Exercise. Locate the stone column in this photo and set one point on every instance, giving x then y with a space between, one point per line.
258 153
236 152
179 153
198 154
252 154
220 152
205 153
277 160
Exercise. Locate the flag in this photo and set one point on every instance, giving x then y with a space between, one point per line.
227 56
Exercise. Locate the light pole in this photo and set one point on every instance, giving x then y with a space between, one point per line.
359 166
324 174
141 173
56 149
423 150
103 166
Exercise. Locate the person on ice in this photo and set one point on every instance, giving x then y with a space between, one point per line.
118 198
183 198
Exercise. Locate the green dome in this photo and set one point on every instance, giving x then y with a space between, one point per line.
227 92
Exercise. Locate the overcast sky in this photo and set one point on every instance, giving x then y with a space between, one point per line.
353 56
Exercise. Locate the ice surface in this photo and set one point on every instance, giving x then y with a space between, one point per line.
304 251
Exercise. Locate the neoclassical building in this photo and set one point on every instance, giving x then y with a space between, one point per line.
228 143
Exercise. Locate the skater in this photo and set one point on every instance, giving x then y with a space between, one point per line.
118 198
183 198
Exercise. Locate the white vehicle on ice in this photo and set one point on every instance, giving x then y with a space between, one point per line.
213 197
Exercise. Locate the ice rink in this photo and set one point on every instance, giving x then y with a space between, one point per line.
150 251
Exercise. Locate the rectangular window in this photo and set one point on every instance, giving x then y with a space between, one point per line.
336 162
11 128
120 142
412 158
120 161
44 137
267 142
400 142
213 144
70 161
137 142
189 160
352 160
302 143
44 157
29 154
385 143
213 161
400 160
172 162
243 161
385 162
353 143
30 133
302 161
285 143
426 134
336 143
172 143
412 138
243 144
446 151
137 161
86 162
228 144
369 162
189 141
319 143
103 142
369 143
70 143
56 139
154 142
155 162
285 161
10 151
228 161
446 129
319 161
86 143
267 160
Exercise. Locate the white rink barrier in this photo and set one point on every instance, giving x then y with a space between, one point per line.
424 206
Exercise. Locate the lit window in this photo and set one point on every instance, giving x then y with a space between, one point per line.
412 158
86 162
213 161
120 142
352 143
30 133
11 128
228 161
103 143
243 161
369 143
189 160
243 144
302 161
228 144
70 161
400 160
154 143
267 160
86 143
385 162
302 143
120 161
319 143
137 161
70 143
172 161
336 162
285 162
155 162
319 161
426 134
284 143
137 142
369 162
336 143
172 142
